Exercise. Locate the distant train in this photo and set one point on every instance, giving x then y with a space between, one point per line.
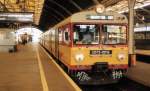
92 47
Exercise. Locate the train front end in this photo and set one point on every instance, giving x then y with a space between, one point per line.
99 52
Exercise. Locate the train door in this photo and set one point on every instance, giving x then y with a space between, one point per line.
57 43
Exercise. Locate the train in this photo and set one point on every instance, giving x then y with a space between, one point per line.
91 47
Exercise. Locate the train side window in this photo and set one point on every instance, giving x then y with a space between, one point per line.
53 35
50 35
60 36
66 36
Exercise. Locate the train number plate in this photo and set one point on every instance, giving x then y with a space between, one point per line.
100 52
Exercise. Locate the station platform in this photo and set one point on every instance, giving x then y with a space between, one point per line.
143 52
140 73
32 69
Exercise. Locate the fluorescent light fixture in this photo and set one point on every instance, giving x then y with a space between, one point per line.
21 17
140 29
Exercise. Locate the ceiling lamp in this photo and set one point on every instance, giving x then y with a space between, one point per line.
100 8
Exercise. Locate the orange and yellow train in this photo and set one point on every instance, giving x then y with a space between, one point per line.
91 46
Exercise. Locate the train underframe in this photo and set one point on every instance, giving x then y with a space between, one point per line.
99 74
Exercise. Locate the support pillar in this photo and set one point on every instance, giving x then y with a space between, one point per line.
132 55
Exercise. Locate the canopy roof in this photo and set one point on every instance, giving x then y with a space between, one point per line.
34 6
55 11
47 13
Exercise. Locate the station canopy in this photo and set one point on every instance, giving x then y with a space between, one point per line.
48 13
55 11
23 7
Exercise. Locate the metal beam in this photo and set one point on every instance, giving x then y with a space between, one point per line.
3 5
56 11
138 17
109 2
7 2
76 5
59 5
96 2
58 19
45 23
146 10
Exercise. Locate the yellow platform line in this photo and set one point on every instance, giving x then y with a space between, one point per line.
42 74
74 85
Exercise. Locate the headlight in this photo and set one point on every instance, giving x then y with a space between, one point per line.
121 56
79 57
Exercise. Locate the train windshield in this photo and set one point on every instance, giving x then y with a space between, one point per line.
114 34
86 34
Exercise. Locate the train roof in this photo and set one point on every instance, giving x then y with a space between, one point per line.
93 17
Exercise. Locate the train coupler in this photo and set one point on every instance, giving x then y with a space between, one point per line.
100 67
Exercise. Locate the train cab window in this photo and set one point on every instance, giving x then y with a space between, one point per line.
85 34
114 34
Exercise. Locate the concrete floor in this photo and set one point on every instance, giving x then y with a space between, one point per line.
142 52
55 78
20 71
140 73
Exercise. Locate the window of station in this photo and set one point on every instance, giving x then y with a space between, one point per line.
85 34
114 34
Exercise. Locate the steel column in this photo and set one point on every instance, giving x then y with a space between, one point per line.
132 57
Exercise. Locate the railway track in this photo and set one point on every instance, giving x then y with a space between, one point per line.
143 58
123 85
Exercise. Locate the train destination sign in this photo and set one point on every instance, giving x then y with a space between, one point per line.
100 52
100 17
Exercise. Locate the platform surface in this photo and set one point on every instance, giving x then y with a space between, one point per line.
140 73
20 71
143 52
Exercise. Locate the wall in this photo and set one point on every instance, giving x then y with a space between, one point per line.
7 40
